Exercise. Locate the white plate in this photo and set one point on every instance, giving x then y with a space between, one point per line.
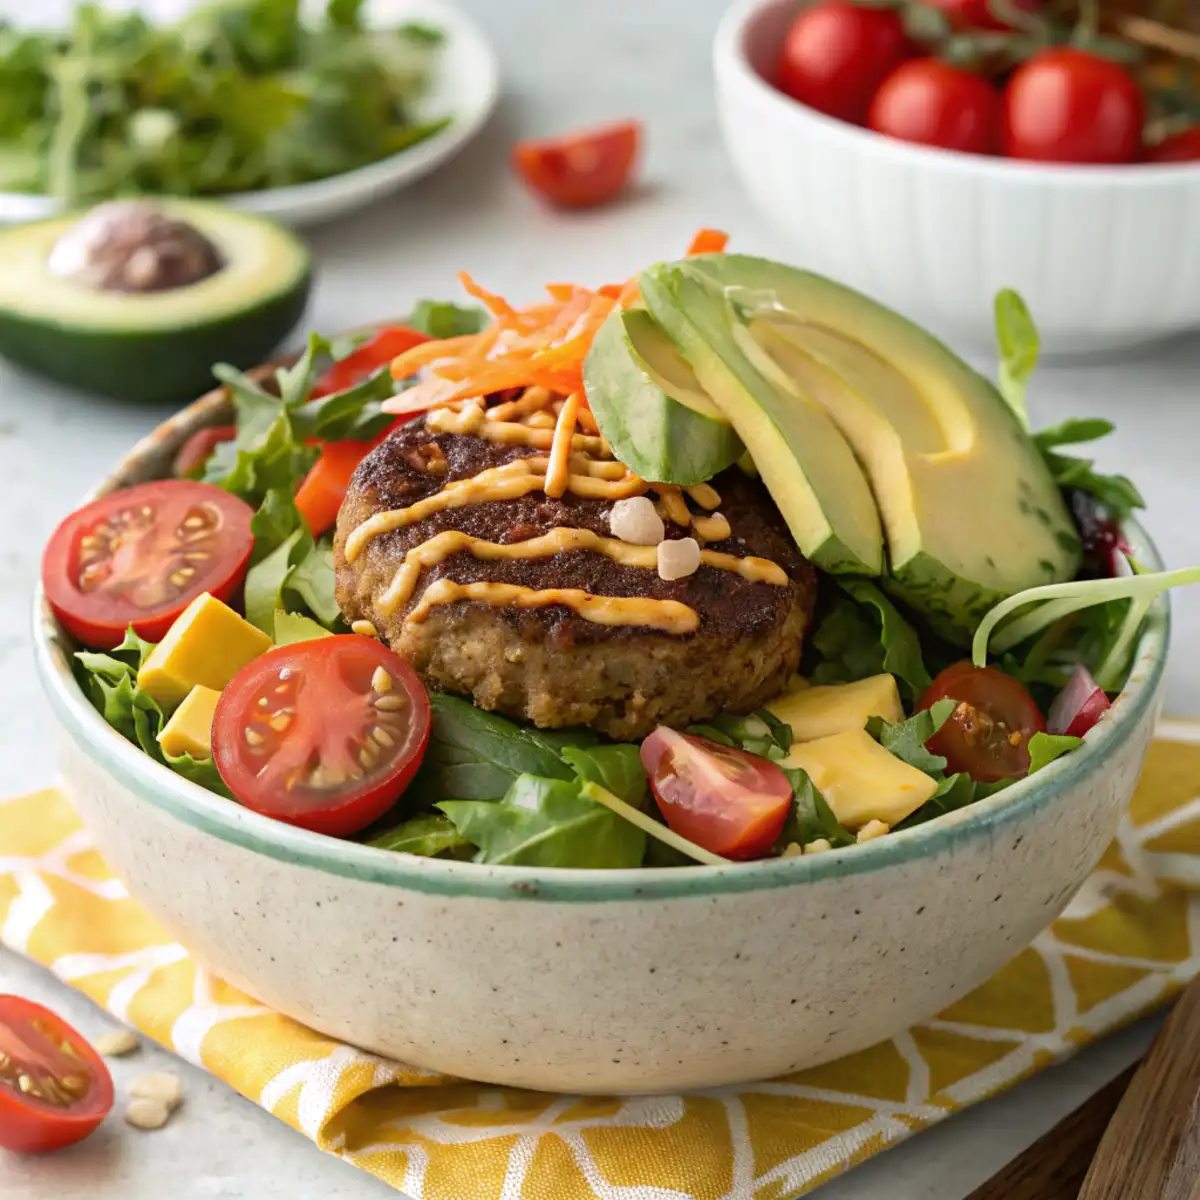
465 87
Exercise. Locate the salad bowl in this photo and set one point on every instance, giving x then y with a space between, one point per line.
641 980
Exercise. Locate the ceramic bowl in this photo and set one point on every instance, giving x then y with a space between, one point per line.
1105 257
595 981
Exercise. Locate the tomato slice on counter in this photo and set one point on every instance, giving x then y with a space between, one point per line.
325 734
139 557
54 1088
725 800
194 453
987 735
581 170
367 358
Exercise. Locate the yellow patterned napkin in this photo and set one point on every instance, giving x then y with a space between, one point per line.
1123 947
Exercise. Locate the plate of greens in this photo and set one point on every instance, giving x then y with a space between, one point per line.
295 110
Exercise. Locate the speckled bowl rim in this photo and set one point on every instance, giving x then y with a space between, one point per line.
156 785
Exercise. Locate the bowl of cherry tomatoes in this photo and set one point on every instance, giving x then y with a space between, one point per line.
931 169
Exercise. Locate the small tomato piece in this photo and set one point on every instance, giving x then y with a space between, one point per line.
367 358
1178 148
195 452
580 170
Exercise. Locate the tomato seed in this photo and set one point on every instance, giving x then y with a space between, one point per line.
381 681
368 756
390 703
383 737
254 738
281 720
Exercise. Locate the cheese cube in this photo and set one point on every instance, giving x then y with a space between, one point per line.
818 712
208 645
189 731
860 780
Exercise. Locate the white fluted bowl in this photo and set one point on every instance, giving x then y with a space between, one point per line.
1106 257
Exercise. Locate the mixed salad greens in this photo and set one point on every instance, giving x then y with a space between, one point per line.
237 96
479 786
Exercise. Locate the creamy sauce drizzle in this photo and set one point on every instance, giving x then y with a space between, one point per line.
577 463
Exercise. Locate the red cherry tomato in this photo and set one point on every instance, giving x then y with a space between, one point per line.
987 735
141 556
725 800
194 453
325 734
932 103
580 170
1067 106
54 1088
366 358
977 14
837 53
1178 148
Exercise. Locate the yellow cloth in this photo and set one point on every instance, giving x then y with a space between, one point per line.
1123 948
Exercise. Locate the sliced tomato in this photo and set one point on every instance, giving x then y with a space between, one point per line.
325 734
987 735
54 1088
581 170
194 453
139 557
367 358
725 800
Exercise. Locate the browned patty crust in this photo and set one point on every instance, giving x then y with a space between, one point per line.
550 665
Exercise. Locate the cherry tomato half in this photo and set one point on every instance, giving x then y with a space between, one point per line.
837 53
725 800
932 103
977 14
987 735
1178 148
581 170
194 453
1067 106
54 1088
324 734
366 358
139 557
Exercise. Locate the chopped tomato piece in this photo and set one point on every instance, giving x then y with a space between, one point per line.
194 453
725 800
54 1088
325 734
708 241
139 557
367 358
581 170
987 735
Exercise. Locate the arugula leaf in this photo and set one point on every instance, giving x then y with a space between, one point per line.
761 733
953 792
1118 495
615 768
443 319
265 581
429 834
354 414
290 628
1044 748
810 818
274 522
1018 346
1072 432
863 634
547 823
312 579
906 739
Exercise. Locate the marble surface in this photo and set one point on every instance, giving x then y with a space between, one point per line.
591 62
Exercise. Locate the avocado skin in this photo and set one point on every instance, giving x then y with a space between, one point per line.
160 366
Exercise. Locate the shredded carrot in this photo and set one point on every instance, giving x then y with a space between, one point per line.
558 469
496 305
708 241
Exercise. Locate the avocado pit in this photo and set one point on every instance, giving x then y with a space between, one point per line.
134 246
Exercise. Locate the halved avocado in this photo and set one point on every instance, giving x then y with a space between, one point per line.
649 406
970 512
802 457
157 344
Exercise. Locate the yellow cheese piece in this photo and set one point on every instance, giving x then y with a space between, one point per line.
818 712
208 645
189 731
860 780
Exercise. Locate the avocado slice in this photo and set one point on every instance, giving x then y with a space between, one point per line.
803 459
649 406
151 345
970 512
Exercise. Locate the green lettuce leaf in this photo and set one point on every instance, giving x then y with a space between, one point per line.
810 818
906 739
1044 748
443 319
760 732
290 628
432 835
265 580
312 580
1018 346
1118 495
616 768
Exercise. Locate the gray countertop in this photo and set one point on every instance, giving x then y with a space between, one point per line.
586 63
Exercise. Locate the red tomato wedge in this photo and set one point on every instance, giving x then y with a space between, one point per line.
139 557
725 800
325 734
987 735
323 489
194 453
580 170
54 1088
367 358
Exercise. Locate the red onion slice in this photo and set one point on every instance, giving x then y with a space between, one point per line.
1078 706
